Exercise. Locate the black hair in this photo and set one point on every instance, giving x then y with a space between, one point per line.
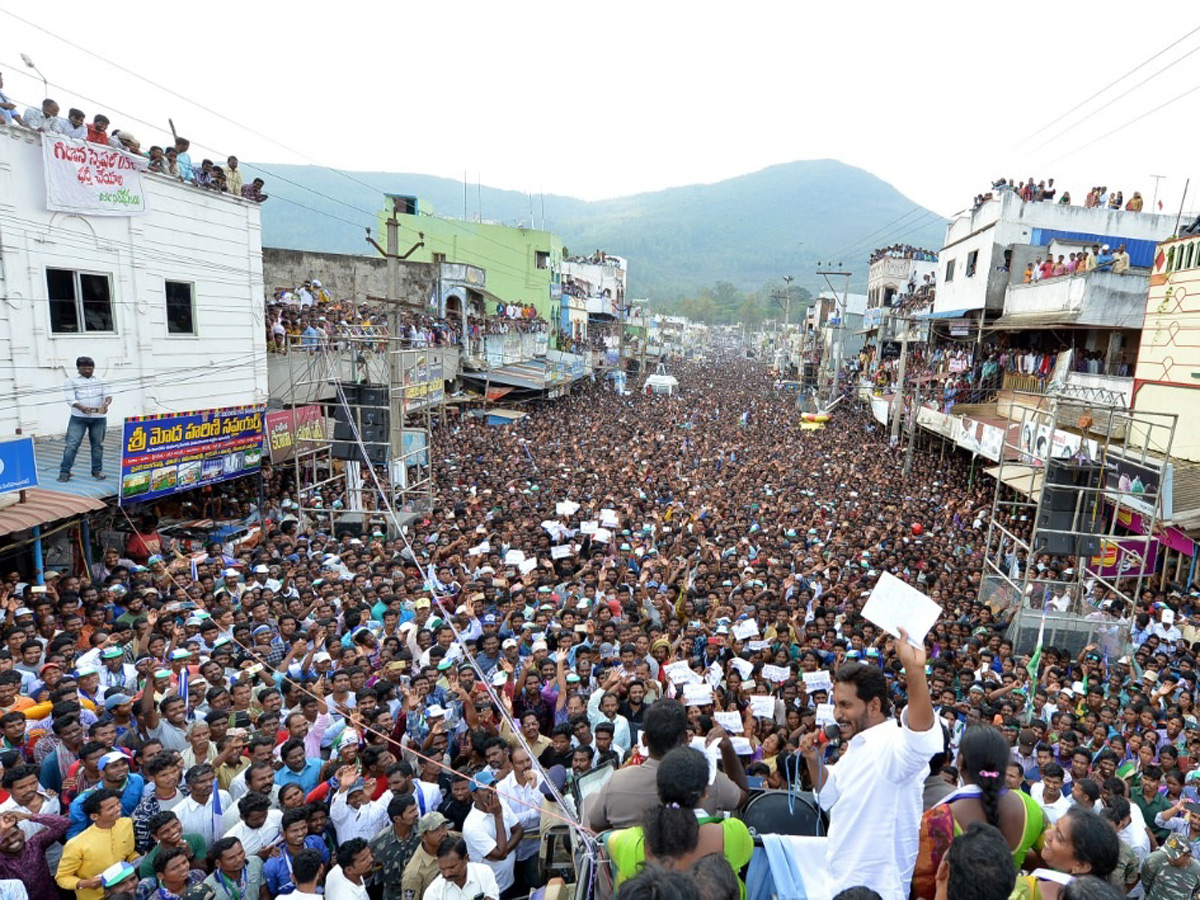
665 727
1116 810
1052 770
671 830
399 803
1090 788
715 878
655 883
1093 841
1115 786
985 749
348 850
93 801
159 819
869 683
859 892
217 850
165 855
981 865
12 776
253 802
455 845
305 865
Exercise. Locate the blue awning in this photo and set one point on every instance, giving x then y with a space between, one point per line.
946 314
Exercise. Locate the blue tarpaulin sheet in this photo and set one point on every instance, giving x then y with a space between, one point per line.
1141 253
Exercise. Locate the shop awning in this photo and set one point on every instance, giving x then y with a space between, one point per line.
946 314
42 506
1026 480
1027 321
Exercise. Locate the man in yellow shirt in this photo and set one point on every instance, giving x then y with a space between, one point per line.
108 840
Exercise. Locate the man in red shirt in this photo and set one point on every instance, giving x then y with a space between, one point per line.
97 131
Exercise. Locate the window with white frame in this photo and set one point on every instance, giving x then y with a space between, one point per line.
181 307
80 302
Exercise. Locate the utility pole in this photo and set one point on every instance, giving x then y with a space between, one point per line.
898 399
912 432
395 354
836 355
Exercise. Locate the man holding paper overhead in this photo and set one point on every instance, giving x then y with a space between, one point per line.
873 793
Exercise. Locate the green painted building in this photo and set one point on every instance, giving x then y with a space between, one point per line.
523 265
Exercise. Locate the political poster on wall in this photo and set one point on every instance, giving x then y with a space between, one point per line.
292 430
163 455
92 179
424 384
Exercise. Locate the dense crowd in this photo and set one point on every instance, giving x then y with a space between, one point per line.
1044 191
171 160
1101 259
904 251
607 582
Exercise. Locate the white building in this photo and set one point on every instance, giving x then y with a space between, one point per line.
988 248
598 281
169 303
892 277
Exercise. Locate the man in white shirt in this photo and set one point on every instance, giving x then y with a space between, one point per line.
522 787
491 830
89 399
198 813
347 880
352 815
1048 793
460 880
873 793
258 825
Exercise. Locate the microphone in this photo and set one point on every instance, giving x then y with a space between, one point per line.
831 737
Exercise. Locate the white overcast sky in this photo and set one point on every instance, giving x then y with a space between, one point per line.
605 99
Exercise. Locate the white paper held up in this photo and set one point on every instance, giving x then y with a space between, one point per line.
762 707
894 605
730 721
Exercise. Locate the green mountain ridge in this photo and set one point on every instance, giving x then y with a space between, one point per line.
745 230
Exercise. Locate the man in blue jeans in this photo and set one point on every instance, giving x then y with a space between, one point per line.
89 399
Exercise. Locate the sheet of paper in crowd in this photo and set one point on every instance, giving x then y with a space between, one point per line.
589 527
758 645
762 707
817 681
527 565
825 715
566 508
698 694
778 674
741 746
730 721
681 673
603 535
514 558
561 551
744 630
608 518
712 752
744 666
894 605
480 549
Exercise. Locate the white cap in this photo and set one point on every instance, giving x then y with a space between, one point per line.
539 645
434 712
234 573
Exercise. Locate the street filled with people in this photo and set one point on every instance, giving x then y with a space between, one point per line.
644 582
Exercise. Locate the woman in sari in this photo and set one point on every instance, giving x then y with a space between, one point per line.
1077 845
983 759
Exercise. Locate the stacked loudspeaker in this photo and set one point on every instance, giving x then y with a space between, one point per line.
367 408
1071 517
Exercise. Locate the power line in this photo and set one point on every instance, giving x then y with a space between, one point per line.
1109 104
1108 86
1127 123
840 254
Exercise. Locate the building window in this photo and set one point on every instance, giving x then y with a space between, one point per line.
972 259
1190 250
79 302
181 309
541 259
950 270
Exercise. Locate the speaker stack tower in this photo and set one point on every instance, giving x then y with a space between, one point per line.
1071 518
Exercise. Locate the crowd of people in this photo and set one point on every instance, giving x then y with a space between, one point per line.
171 160
1044 191
642 581
903 251
1100 259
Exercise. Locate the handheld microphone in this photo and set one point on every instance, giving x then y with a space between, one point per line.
831 737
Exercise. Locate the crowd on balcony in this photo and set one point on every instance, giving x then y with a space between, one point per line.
1044 191
904 251
171 160
1101 259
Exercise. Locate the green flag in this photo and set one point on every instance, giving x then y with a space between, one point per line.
1035 661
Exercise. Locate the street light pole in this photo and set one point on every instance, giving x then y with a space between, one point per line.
45 84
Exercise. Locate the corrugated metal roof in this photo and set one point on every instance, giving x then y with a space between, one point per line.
49 451
42 506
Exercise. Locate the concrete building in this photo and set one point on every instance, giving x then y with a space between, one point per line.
987 248
524 265
1167 377
169 302
597 283
890 278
